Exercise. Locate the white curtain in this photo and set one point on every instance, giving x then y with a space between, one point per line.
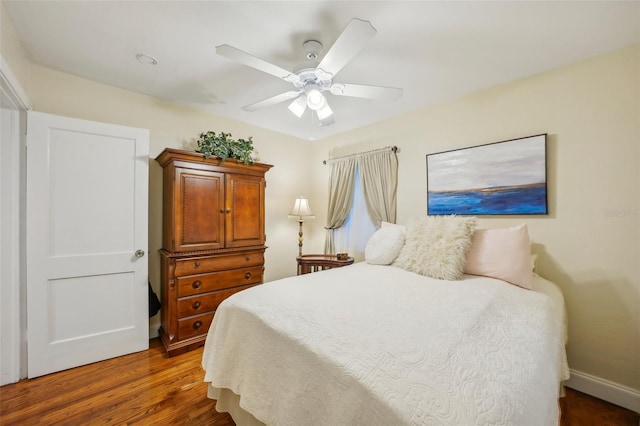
341 183
378 175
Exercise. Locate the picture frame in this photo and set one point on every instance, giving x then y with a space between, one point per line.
499 178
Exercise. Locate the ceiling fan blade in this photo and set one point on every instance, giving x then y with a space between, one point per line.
348 44
299 106
272 100
255 62
366 91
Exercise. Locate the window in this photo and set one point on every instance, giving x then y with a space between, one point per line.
352 237
355 182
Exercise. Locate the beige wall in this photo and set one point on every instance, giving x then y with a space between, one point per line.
589 244
177 127
172 126
11 49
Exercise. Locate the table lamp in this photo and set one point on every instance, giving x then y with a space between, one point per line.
301 212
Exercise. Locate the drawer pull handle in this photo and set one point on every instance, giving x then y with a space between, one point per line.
197 325
247 275
196 284
196 305
197 264
248 258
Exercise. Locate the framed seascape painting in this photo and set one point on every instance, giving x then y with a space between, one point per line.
501 178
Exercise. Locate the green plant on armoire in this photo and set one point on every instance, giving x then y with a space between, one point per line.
223 146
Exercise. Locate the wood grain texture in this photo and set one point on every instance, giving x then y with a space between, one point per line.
579 409
213 240
138 389
147 388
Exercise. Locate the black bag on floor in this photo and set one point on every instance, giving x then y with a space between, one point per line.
154 303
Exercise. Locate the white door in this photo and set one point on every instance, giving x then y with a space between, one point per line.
87 190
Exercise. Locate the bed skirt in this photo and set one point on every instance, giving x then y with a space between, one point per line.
229 402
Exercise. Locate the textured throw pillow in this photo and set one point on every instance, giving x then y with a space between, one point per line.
436 246
503 253
384 245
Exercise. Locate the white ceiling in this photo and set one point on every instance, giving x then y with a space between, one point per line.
435 50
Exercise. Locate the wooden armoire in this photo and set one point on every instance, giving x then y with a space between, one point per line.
213 240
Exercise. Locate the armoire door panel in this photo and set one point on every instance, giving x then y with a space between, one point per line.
244 221
200 209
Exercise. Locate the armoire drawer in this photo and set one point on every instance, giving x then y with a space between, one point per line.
202 303
204 283
194 326
201 265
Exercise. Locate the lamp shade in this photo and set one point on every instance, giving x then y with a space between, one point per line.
298 106
315 99
324 112
301 210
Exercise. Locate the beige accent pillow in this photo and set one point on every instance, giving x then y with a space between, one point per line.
436 246
503 253
384 246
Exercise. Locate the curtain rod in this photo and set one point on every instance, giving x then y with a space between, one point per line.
392 148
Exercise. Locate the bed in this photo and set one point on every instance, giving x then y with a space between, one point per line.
372 344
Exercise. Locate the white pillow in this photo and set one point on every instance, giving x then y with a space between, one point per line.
436 246
393 225
384 245
503 253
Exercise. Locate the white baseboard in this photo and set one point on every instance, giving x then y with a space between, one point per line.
605 390
154 326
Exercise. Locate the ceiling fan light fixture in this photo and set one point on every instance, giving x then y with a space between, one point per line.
315 99
324 112
298 106
312 78
326 122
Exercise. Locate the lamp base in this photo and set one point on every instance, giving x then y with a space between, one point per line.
300 240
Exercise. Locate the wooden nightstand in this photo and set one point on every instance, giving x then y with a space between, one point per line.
318 262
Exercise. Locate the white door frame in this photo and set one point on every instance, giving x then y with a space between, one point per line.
13 353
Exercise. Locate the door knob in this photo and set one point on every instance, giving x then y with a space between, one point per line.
139 253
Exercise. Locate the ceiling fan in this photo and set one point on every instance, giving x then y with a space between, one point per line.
312 79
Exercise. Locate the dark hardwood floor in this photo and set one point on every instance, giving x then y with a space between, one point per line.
579 409
147 388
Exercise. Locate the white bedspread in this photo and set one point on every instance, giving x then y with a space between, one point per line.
376 345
